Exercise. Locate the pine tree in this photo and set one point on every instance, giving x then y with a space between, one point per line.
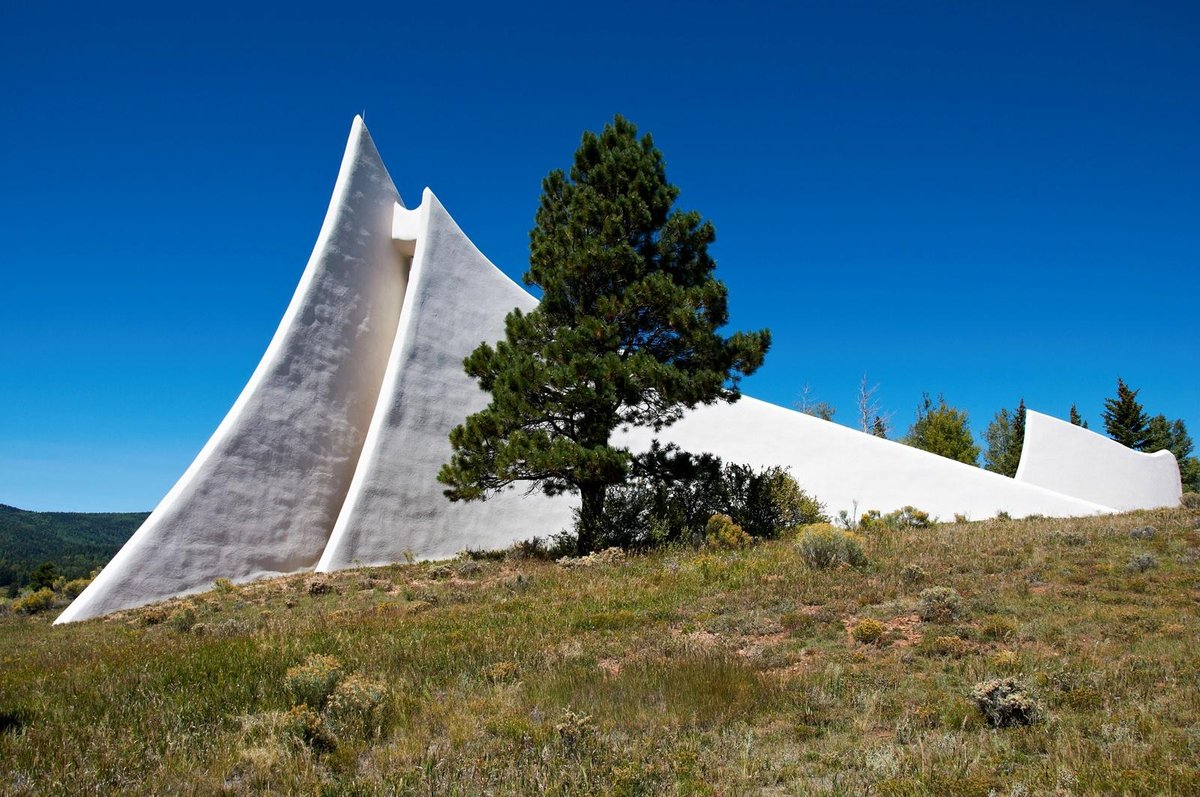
625 335
942 430
1076 418
879 427
1124 419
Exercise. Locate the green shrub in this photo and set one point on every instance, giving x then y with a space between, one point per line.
34 602
952 646
722 533
939 605
355 706
183 619
996 628
1005 702
1190 501
312 682
223 585
74 587
823 545
868 631
672 495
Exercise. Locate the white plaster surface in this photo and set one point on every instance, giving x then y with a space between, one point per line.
329 457
1075 461
263 494
456 299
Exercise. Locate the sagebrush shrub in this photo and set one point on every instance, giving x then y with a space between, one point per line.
907 517
1144 533
823 545
312 682
355 706
1005 703
723 533
939 605
1142 562
1072 539
913 574
308 727
34 602
1190 501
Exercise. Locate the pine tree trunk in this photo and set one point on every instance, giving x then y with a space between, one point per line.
590 515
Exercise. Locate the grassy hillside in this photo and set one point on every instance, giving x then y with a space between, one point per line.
677 672
74 542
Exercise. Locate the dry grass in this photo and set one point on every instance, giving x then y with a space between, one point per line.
678 672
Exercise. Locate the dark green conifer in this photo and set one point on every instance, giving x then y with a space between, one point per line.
1124 419
1076 418
625 335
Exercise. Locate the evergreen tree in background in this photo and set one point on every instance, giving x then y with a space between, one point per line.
1124 419
625 334
1164 435
1005 437
879 427
1076 418
943 430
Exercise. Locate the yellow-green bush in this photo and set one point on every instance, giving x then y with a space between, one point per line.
951 646
721 532
868 631
312 682
72 588
34 602
823 545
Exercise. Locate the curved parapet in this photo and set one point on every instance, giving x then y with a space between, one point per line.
263 494
1075 461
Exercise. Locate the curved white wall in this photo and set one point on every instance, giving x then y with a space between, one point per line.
1075 461
263 494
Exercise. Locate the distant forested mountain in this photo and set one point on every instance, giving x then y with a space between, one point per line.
76 543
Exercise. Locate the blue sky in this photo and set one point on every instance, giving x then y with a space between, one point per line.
987 200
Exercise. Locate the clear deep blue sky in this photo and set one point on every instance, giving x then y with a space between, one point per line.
987 200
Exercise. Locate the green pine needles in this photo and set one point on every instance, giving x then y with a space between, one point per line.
625 335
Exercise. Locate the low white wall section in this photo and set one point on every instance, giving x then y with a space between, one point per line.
1075 461
263 494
